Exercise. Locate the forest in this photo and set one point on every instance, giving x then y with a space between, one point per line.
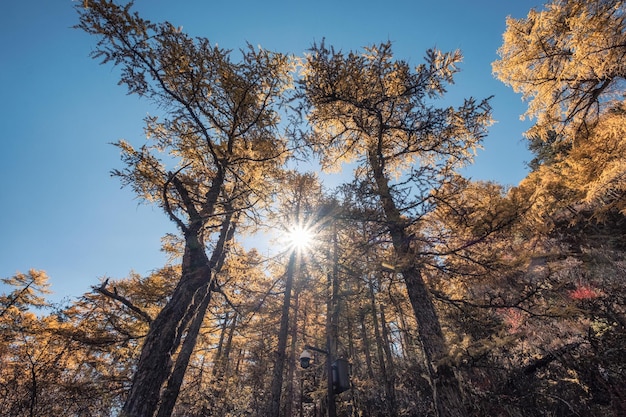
408 290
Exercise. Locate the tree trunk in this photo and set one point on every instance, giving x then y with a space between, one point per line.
273 408
220 346
164 335
447 393
391 374
446 390
166 331
175 381
380 349
366 346
291 363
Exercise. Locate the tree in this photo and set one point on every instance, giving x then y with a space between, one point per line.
377 110
29 292
300 195
219 133
567 60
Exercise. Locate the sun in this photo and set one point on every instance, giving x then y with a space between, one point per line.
300 237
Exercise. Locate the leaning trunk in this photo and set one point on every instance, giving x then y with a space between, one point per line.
447 391
175 381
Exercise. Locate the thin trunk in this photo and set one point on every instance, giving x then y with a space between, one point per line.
386 339
332 324
408 344
291 363
225 358
221 364
273 409
380 349
33 390
220 344
390 387
366 347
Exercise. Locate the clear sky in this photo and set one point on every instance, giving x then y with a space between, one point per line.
60 210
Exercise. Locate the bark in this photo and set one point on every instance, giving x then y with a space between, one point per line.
390 386
273 408
175 381
387 380
366 347
220 346
291 363
166 331
332 325
447 391
224 347
164 335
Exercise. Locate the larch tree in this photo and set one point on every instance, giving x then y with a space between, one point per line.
300 195
208 162
379 111
568 61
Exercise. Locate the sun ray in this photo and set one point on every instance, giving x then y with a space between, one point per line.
300 237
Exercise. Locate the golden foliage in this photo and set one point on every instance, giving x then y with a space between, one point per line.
567 61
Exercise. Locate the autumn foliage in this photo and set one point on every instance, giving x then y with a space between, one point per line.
447 296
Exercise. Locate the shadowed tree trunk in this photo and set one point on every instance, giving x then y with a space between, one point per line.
385 365
163 338
448 395
172 389
273 408
291 363
200 306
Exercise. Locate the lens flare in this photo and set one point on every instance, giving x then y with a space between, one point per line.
300 237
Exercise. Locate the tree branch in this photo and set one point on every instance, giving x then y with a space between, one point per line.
114 295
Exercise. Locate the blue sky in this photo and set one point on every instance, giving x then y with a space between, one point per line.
60 209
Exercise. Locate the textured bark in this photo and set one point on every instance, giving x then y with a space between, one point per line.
390 386
366 347
332 329
164 335
447 391
175 381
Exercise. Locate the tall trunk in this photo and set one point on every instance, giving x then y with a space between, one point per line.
164 335
391 375
291 362
447 392
366 347
166 331
221 366
220 345
172 389
332 324
390 402
408 344
273 408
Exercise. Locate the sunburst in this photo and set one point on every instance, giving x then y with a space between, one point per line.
300 237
